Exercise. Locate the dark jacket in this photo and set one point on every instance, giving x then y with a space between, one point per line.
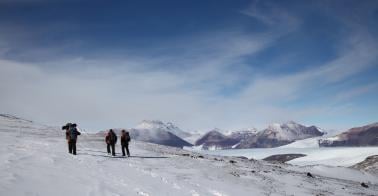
125 139
111 138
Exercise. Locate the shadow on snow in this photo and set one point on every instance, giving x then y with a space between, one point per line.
119 156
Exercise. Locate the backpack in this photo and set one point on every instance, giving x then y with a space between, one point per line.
73 133
127 137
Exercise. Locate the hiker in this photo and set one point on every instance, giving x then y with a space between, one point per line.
125 139
111 140
71 137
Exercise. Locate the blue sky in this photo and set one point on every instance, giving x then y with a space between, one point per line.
199 64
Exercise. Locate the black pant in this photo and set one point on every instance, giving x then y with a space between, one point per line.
72 146
113 148
127 150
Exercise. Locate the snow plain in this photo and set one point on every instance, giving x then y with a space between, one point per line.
332 156
34 161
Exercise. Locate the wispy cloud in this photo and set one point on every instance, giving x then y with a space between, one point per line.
272 15
126 94
199 81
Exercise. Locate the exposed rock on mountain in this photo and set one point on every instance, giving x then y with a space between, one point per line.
280 134
275 135
359 136
216 140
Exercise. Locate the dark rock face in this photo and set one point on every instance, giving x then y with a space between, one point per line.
283 158
216 139
359 136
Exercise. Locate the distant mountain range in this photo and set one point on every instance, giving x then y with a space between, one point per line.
358 136
280 134
273 136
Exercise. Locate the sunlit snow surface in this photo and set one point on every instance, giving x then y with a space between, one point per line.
34 161
335 156
331 156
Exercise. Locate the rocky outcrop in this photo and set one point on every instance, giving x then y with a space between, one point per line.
370 164
283 158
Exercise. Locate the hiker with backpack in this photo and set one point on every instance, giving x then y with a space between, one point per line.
111 140
71 137
125 139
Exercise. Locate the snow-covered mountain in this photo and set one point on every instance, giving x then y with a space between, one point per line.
157 132
280 134
159 125
273 136
291 131
19 125
358 136
215 139
9 117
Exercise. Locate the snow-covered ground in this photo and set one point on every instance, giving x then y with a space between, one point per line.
35 161
335 156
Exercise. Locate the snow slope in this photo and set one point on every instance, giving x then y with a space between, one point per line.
312 142
305 143
38 164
